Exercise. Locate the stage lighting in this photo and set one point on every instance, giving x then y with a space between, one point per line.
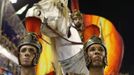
13 1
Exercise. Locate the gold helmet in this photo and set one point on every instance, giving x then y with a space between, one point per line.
75 14
91 41
31 39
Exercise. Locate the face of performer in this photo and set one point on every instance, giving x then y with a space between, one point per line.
96 53
77 21
27 54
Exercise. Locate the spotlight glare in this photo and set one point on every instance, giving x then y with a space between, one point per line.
13 1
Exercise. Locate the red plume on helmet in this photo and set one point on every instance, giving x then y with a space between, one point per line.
89 31
33 24
74 5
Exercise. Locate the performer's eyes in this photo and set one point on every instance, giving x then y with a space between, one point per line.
23 50
31 50
96 48
92 49
101 49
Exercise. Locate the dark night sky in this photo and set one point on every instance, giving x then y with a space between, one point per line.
120 13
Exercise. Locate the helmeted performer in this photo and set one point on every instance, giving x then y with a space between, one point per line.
77 20
95 54
29 50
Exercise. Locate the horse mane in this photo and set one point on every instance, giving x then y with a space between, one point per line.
62 6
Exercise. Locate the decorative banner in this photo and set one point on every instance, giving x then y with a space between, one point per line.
45 66
112 40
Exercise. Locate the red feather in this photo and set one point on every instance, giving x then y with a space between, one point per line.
33 24
89 31
74 5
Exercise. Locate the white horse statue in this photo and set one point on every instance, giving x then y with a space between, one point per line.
58 25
